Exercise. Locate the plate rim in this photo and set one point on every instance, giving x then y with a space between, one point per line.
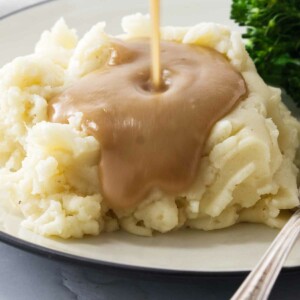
65 257
131 270
22 9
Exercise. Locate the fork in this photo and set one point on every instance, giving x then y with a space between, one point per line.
259 283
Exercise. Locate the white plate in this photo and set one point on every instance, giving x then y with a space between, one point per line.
188 252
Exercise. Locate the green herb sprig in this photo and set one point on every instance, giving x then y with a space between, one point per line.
273 40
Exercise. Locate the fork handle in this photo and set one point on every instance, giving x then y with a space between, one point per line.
258 284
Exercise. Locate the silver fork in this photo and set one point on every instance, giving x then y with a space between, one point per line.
259 283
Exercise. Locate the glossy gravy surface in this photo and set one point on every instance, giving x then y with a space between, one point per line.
151 139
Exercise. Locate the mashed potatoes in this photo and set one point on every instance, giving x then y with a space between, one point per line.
49 171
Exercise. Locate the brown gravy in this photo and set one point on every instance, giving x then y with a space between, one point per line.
151 140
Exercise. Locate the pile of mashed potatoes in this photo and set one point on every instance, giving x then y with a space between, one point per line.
49 171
